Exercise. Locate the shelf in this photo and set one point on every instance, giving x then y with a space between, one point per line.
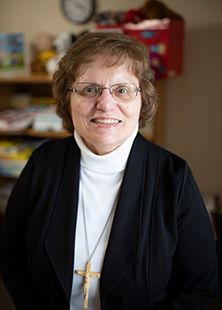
25 79
49 134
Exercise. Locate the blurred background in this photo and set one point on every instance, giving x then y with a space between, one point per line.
191 102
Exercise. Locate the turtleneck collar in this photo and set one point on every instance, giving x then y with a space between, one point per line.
114 161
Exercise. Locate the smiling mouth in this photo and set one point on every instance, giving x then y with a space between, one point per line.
103 121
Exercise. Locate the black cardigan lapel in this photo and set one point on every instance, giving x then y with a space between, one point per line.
124 238
60 237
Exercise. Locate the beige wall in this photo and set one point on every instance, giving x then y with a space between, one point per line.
193 102
193 125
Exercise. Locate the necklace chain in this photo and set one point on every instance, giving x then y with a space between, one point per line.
103 230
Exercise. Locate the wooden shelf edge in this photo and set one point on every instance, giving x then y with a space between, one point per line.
47 134
27 79
36 134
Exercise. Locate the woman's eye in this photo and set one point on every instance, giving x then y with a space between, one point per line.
122 90
90 89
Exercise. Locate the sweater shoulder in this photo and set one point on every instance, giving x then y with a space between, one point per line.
162 156
51 150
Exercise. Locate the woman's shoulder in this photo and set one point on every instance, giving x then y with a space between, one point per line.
162 156
52 149
52 144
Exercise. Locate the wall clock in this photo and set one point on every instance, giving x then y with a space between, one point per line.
78 11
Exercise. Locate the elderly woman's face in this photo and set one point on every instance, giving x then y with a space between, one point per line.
105 121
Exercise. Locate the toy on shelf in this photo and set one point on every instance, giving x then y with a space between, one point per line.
41 50
60 44
152 9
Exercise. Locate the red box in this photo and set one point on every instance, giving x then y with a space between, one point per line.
165 47
165 44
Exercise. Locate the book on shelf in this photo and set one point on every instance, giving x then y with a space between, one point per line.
14 154
45 118
15 120
12 53
38 117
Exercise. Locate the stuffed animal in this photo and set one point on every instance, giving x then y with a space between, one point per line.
155 9
60 45
41 50
152 9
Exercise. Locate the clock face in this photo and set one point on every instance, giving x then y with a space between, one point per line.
78 11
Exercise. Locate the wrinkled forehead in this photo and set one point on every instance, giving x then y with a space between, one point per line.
108 60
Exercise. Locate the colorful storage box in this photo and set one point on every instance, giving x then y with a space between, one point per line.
165 43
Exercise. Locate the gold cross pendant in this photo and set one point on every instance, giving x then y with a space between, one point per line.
87 274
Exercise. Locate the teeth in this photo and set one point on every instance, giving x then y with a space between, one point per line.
106 121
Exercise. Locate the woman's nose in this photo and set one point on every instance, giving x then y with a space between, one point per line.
105 101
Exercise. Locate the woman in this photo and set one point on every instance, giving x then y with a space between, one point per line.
105 219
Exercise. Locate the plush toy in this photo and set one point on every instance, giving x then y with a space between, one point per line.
152 9
60 45
155 9
41 50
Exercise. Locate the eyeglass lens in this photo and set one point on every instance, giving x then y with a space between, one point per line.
91 91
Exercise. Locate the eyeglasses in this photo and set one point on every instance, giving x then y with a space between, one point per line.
123 92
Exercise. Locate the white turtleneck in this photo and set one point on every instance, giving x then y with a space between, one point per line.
100 180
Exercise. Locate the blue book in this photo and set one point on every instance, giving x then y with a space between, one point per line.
12 52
